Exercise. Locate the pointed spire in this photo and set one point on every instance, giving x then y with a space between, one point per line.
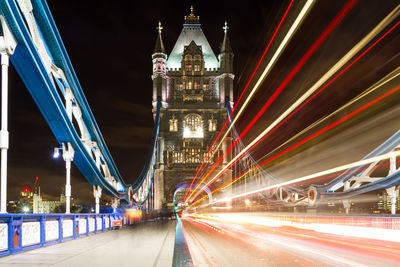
159 48
159 28
225 28
226 45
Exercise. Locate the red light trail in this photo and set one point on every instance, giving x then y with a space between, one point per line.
376 100
332 25
296 110
240 97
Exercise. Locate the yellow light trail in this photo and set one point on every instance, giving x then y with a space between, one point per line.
376 100
278 52
300 18
394 74
356 49
314 175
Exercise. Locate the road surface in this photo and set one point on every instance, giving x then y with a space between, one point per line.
223 244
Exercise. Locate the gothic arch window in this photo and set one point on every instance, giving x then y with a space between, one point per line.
173 125
212 125
193 126
188 62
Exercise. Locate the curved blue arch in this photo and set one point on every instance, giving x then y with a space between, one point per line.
185 186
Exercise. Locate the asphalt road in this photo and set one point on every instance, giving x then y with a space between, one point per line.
221 244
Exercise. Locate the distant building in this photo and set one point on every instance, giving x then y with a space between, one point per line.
44 206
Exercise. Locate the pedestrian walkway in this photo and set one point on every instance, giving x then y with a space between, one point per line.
146 244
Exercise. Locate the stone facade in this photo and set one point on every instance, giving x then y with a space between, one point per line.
195 88
44 206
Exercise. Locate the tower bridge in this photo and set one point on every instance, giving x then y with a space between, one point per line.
327 194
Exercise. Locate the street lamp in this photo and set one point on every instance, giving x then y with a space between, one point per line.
68 155
56 153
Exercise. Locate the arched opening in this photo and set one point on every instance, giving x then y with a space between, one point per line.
193 126
185 186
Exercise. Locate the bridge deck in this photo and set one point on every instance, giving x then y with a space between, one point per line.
147 244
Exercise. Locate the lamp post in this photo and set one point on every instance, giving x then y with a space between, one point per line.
97 195
68 155
7 47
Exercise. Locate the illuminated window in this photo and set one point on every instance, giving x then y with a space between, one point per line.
188 67
196 67
177 157
192 155
205 86
207 157
189 85
192 126
173 125
212 125
196 85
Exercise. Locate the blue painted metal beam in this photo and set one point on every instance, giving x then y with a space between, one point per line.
33 73
49 99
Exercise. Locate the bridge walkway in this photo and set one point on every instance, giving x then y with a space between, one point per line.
146 244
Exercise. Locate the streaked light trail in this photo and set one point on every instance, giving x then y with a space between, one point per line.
318 174
288 36
388 78
293 108
387 94
332 25
338 18
355 228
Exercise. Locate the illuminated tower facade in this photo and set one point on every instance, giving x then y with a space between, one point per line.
195 88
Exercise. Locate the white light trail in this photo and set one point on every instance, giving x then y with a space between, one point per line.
315 175
356 49
300 18
353 229
394 74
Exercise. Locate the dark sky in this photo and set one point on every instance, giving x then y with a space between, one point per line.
110 45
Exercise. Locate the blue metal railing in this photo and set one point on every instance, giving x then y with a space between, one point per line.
22 232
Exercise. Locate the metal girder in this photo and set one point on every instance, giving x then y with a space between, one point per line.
44 66
359 180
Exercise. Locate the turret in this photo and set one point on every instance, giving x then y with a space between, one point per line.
226 69
159 69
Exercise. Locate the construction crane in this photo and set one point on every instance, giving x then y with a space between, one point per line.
35 184
29 193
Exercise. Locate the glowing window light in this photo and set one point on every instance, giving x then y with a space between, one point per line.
193 127
188 133
212 125
173 125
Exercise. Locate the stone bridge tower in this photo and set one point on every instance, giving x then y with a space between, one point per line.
195 87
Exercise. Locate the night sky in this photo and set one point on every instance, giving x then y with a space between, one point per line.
110 45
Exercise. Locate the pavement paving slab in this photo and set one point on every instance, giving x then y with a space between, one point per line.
146 244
